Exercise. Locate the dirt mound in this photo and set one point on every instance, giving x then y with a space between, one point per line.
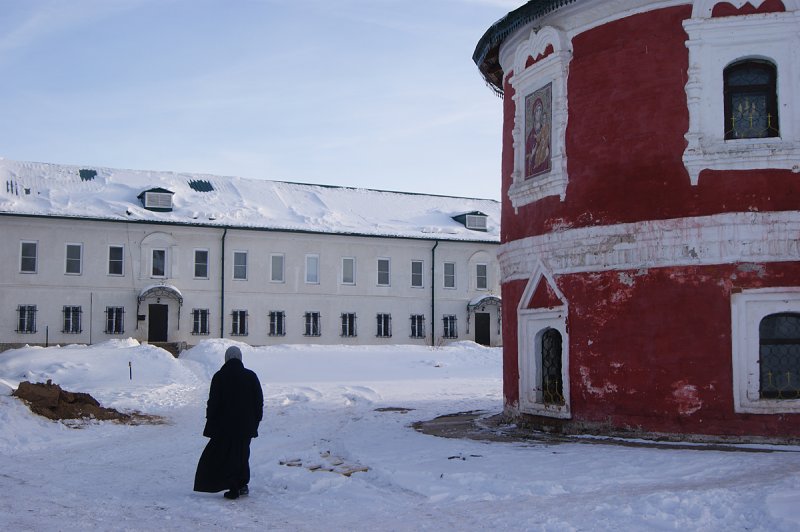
49 400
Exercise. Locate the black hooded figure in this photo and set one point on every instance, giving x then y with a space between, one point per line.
234 410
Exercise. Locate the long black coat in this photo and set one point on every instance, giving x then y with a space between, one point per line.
234 410
235 403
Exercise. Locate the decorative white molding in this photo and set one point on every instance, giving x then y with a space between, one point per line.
715 43
532 324
704 8
706 240
551 69
748 308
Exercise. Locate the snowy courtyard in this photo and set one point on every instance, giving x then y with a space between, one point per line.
331 410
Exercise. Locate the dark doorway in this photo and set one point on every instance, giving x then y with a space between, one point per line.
482 328
157 323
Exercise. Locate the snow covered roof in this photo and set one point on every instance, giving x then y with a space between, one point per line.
41 189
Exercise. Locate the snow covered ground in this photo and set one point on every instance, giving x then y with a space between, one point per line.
320 408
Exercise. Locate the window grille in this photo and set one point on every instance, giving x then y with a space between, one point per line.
751 103
552 382
277 323
200 321
779 356
349 324
115 323
72 319
26 319
239 323
450 326
417 326
384 326
312 324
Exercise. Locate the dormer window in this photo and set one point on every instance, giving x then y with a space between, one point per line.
476 221
157 199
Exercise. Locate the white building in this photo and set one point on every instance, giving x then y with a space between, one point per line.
93 254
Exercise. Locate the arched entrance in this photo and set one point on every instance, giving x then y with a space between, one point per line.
157 298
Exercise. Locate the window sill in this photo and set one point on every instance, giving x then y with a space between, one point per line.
740 154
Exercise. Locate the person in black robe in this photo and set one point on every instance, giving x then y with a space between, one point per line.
234 410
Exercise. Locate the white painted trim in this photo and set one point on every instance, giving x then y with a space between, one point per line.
549 70
702 8
771 36
748 308
705 240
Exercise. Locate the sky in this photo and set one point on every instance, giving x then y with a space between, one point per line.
365 93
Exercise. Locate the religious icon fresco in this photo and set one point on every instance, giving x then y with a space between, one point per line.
538 122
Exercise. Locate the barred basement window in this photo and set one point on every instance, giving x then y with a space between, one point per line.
72 319
779 356
200 321
450 326
277 323
751 102
349 324
115 323
26 319
239 323
384 326
417 326
312 327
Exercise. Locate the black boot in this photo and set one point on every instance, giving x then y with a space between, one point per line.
232 494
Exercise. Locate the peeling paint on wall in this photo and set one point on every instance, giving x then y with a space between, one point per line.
686 397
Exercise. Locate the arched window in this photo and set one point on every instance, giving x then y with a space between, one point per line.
751 102
779 356
552 382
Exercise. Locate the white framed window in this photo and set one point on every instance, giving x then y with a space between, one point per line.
543 352
116 260
481 277
417 326
540 118
26 319
384 329
384 272
239 323
276 273
765 335
201 264
450 323
312 324
200 321
74 259
28 257
277 323
115 320
449 275
770 40
348 270
312 269
158 263
348 324
240 265
72 319
417 275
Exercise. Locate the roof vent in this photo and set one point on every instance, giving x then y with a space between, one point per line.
475 220
87 175
201 185
157 199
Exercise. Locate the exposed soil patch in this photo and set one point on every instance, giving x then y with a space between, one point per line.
49 400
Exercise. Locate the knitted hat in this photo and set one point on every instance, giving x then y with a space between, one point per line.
233 352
